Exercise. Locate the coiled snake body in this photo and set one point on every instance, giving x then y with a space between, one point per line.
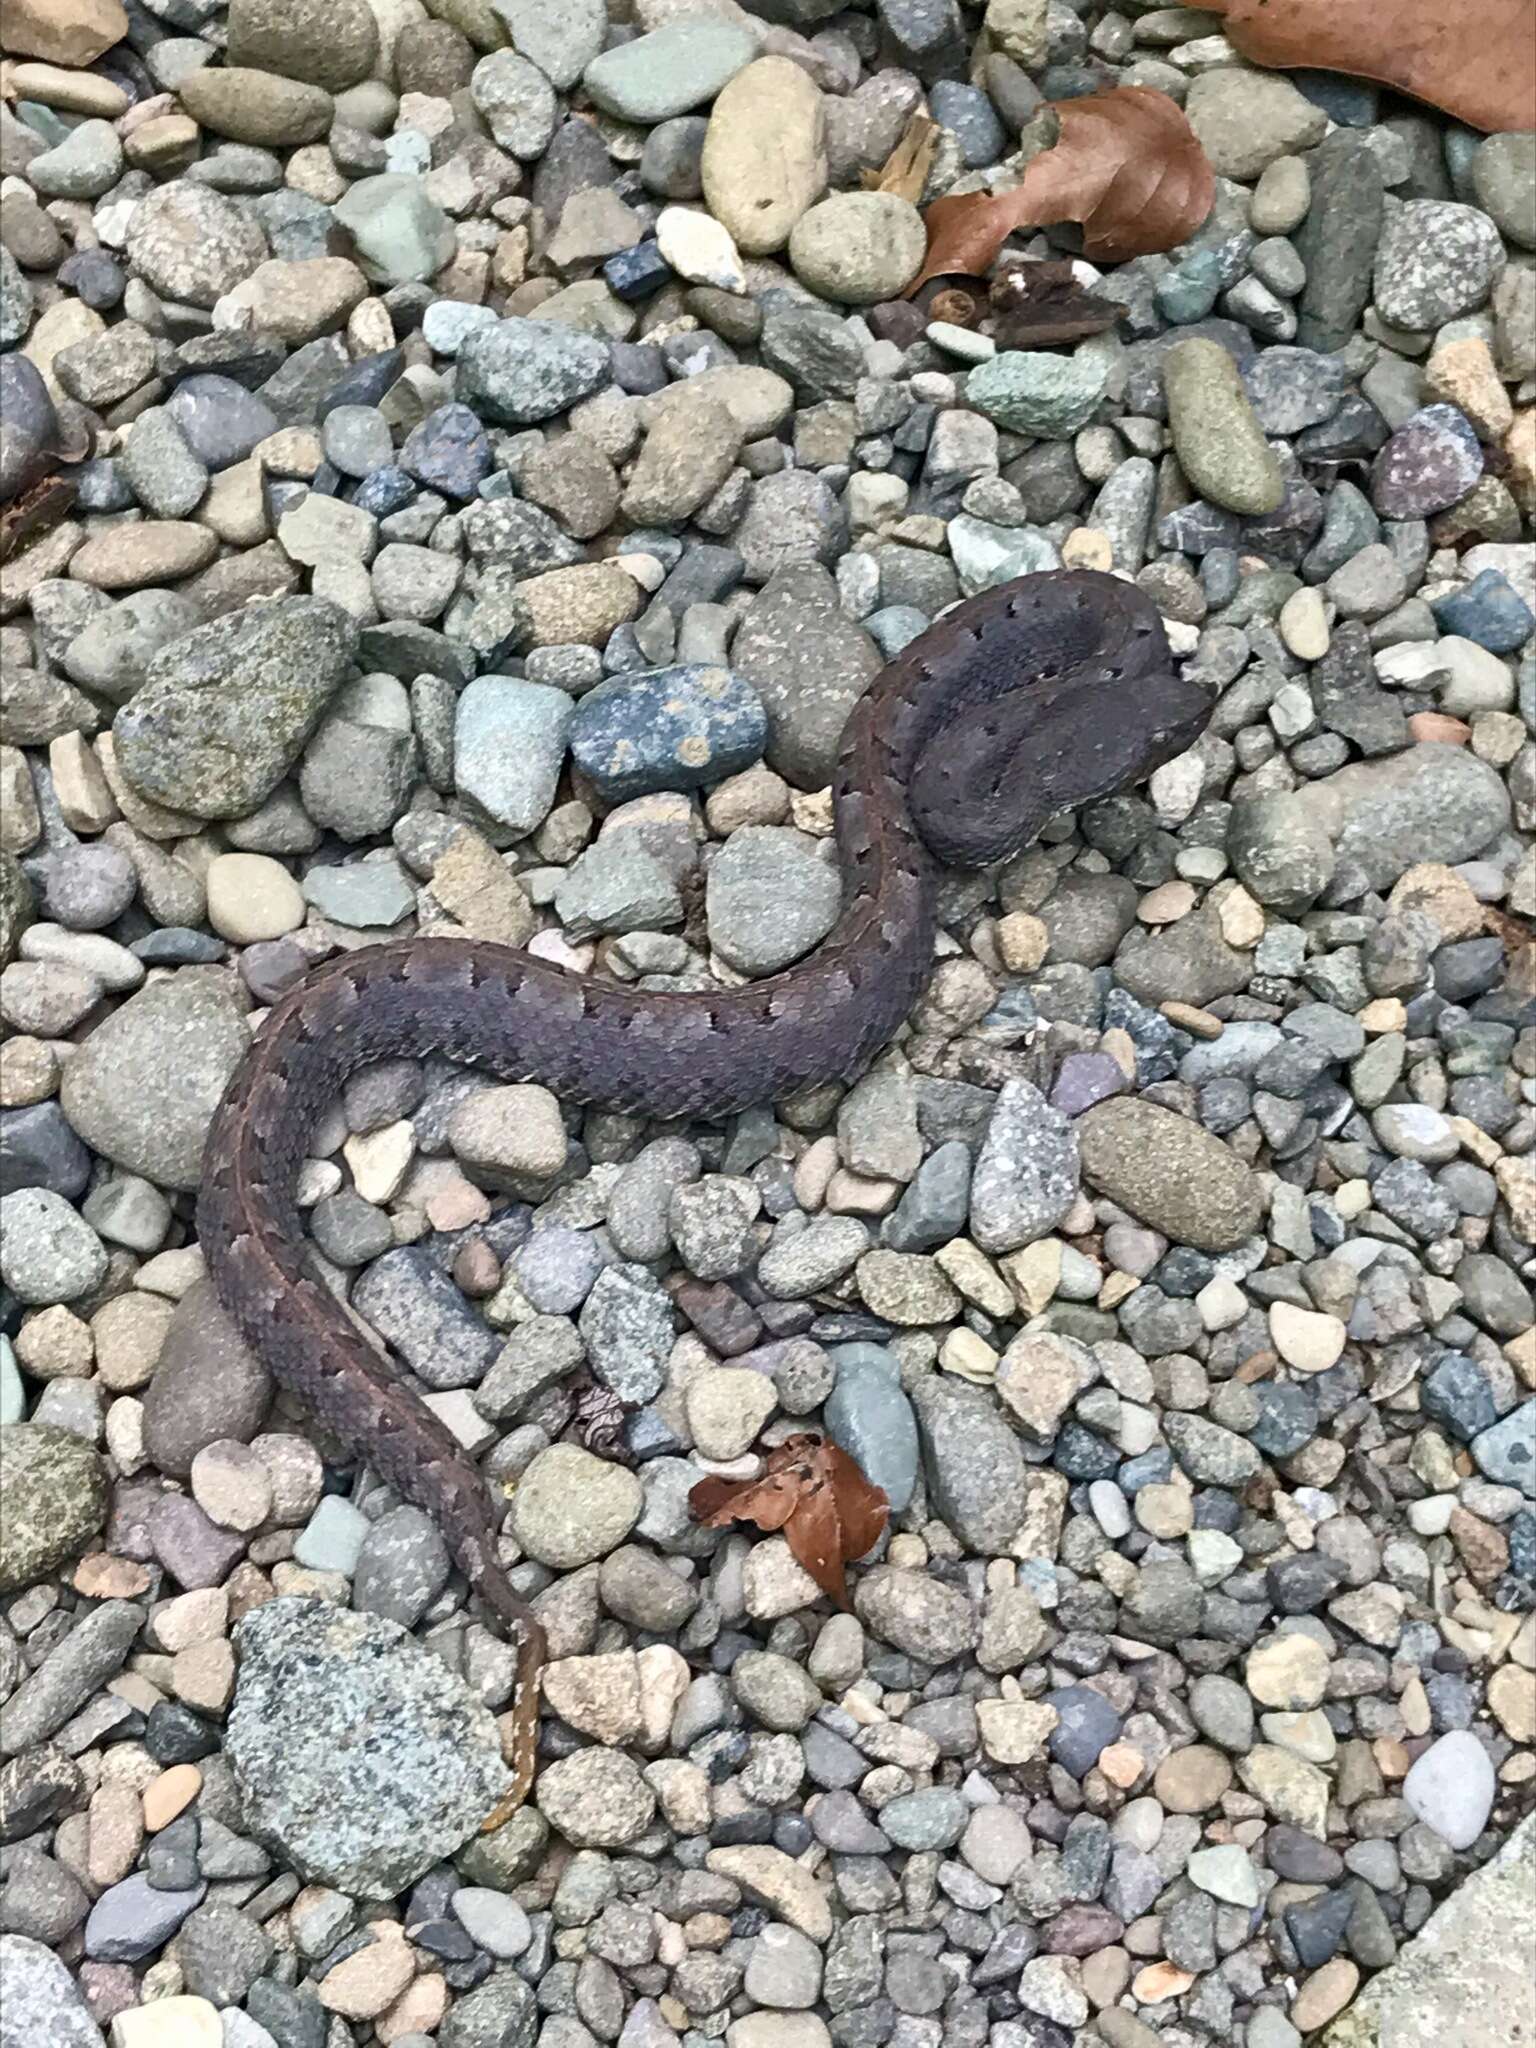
1029 699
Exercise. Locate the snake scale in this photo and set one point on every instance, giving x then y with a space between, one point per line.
1034 697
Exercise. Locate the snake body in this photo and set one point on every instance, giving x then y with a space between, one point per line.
1038 695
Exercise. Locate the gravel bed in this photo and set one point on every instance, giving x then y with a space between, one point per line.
502 452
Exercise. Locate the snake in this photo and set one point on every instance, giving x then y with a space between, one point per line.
1033 697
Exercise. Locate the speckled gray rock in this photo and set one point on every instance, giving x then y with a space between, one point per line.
1026 1174
55 1493
359 1756
519 371
809 663
40 1999
143 1087
1435 260
225 710
193 243
977 1476
92 1652
48 1252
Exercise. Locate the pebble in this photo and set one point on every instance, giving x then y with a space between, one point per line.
763 162
680 65
858 247
310 1679
1215 434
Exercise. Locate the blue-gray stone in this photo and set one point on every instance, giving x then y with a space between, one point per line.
1457 1392
637 273
1507 1452
132 1920
220 420
676 728
1288 1418
28 424
39 1150
933 1209
1189 292
868 1416
364 895
1087 1725
1490 611
448 451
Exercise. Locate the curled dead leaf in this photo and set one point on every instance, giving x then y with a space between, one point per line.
1127 167
816 1494
1476 61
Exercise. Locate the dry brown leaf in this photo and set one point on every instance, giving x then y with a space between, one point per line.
1476 61
816 1494
1127 166
905 170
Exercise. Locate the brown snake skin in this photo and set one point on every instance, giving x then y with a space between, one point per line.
1034 697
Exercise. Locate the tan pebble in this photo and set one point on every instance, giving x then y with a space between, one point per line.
1512 1699
1241 919
1087 547
1324 1995
1290 1672
252 897
86 802
1159 1981
1464 374
1192 1780
1438 728
1303 624
1414 1707
115 1833
1520 456
363 1985
1392 1759
1386 1013
1517 1184
163 144
204 1676
968 1356
1166 904
1164 1510
1122 1765
1200 1023
170 1794
1305 1338
418 2010
177 2022
102 1577
75 92
1442 895
1117 1287
1022 942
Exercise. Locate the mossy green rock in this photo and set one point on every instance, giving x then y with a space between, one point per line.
54 1491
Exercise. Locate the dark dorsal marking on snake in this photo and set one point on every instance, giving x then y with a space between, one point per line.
1036 696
